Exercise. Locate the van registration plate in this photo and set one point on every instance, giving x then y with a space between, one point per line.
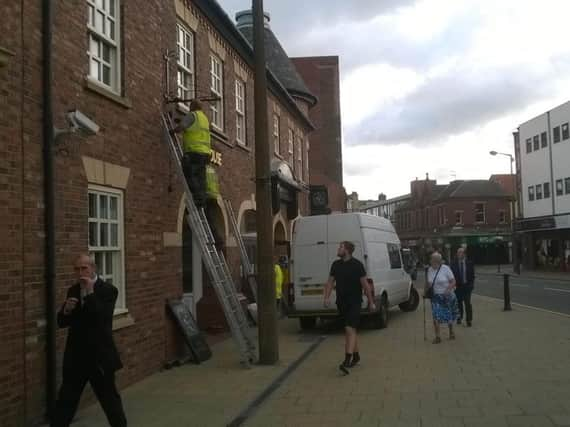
311 292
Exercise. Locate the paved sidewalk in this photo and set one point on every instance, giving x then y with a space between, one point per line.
210 394
527 274
510 369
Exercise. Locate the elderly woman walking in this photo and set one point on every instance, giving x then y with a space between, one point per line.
443 300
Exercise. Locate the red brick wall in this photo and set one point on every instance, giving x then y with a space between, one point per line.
12 374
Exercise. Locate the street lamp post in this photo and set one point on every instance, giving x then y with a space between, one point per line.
512 207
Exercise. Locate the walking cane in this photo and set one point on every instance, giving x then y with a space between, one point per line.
425 331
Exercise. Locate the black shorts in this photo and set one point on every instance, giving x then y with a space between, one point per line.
350 312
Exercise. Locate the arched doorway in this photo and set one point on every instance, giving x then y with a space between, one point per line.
248 230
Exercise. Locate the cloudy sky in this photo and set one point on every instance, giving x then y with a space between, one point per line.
430 86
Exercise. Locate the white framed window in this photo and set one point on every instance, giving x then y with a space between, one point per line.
299 157
290 143
104 43
480 216
105 237
502 217
217 88
240 113
276 133
458 217
306 160
185 62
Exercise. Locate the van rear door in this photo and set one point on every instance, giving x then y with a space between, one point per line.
310 263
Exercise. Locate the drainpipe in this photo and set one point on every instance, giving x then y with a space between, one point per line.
49 205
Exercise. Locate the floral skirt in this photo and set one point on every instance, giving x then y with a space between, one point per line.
444 308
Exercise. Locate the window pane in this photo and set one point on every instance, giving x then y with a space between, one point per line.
99 263
556 132
99 20
111 28
106 75
92 205
528 146
114 235
113 207
112 8
93 234
103 207
543 139
546 190
567 185
536 142
104 234
91 16
109 263
565 134
106 53
559 187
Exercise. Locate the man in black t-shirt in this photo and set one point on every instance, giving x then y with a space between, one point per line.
350 277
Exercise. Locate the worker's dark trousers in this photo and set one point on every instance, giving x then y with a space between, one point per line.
194 165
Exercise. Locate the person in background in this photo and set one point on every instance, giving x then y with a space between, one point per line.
278 283
464 273
90 352
444 302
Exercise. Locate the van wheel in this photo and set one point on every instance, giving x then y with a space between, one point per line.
381 316
412 303
307 322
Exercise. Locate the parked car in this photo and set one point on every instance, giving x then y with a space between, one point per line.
314 248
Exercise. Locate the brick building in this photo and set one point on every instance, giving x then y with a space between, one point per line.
322 76
116 194
444 217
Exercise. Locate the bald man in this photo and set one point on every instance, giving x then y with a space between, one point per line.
90 352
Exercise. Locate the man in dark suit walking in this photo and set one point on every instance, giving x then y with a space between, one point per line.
464 273
90 352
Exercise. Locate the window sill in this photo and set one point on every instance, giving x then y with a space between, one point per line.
122 319
220 136
107 93
243 146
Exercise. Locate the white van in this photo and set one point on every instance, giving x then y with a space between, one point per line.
314 248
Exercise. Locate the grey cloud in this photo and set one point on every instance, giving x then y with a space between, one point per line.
461 100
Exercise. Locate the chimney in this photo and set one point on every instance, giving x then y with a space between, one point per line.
244 18
381 197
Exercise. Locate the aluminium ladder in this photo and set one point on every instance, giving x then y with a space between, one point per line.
215 262
245 262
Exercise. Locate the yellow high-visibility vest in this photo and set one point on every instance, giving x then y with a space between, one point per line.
278 282
212 185
197 137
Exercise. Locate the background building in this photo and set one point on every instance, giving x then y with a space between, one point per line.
322 76
385 207
474 213
542 149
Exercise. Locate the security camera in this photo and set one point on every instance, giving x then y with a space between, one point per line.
80 122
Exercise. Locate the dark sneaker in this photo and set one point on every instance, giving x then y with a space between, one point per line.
354 361
344 368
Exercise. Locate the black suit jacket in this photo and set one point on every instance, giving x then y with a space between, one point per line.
90 338
469 273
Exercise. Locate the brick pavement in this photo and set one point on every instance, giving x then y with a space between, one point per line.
511 369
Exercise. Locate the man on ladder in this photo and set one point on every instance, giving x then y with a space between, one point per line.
197 150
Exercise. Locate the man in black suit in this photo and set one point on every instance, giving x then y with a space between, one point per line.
464 273
90 352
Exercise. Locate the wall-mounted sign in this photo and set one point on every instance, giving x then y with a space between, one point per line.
216 158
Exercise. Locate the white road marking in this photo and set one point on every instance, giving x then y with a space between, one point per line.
518 285
557 290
